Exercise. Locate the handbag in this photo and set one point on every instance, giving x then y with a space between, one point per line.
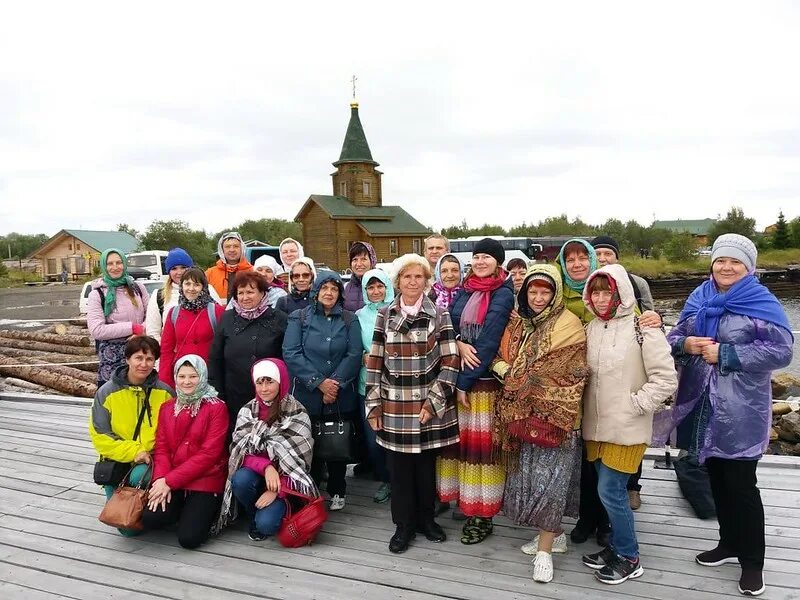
537 432
334 439
302 527
125 507
112 472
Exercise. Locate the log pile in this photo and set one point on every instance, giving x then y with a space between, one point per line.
42 361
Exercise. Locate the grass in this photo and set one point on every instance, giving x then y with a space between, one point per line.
17 278
662 267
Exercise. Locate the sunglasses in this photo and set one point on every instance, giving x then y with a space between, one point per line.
301 275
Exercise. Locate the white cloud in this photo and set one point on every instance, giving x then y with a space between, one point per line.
494 113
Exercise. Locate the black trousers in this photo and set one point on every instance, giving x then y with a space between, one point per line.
413 479
739 509
194 512
591 513
633 480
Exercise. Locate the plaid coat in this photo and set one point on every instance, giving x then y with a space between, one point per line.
413 362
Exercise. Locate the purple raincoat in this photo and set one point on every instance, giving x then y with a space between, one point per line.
739 386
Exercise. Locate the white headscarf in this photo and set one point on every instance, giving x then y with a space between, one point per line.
300 252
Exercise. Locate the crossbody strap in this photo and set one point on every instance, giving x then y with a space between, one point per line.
145 407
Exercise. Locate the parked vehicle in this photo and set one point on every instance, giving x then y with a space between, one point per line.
148 264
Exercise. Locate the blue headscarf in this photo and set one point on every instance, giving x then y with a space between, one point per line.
203 391
746 297
569 281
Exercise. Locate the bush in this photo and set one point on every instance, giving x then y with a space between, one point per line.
3 270
680 247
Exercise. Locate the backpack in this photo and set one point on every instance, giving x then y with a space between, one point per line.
212 315
637 293
160 302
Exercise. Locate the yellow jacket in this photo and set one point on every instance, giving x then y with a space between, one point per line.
115 412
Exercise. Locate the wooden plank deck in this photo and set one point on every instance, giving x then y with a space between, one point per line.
53 546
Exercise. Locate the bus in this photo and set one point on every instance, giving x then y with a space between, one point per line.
516 247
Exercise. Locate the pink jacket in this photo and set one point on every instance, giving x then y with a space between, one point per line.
119 323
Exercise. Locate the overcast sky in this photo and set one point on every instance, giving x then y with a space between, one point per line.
502 113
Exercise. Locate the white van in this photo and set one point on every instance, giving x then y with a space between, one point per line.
153 261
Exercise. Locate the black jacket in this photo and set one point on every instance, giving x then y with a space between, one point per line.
238 344
292 302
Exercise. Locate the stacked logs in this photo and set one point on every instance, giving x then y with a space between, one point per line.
40 361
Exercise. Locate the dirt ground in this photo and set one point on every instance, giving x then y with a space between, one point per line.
55 301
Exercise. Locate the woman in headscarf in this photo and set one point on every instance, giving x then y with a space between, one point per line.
448 275
269 268
189 326
470 472
190 457
631 376
117 307
542 363
250 331
362 259
732 334
301 279
378 292
271 451
290 250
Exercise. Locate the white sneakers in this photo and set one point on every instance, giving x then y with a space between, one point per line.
543 567
559 545
337 502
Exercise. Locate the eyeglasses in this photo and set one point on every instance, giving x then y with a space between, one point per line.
301 275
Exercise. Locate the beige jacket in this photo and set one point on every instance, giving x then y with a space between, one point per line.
627 382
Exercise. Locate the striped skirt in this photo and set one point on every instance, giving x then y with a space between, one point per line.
468 472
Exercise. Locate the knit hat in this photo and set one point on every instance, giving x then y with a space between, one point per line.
265 260
266 368
606 241
178 257
491 247
542 280
733 245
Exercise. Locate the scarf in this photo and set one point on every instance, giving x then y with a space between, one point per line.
123 280
204 392
251 313
746 297
203 299
442 295
480 290
615 303
411 310
287 443
550 275
545 380
577 286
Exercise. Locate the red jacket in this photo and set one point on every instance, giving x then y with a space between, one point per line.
187 336
191 453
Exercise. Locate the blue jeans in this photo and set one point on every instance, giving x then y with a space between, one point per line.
612 486
136 476
377 453
247 486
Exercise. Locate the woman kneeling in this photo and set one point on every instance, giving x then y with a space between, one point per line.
190 457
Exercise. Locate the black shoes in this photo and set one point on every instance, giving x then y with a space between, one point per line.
401 539
432 531
604 535
580 533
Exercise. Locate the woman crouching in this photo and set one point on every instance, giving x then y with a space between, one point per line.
271 451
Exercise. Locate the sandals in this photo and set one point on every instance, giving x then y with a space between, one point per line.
476 529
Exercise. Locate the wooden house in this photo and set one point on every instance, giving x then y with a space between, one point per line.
355 211
79 251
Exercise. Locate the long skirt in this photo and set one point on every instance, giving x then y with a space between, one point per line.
469 472
543 486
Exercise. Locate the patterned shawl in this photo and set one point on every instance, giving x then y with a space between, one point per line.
287 443
204 392
547 368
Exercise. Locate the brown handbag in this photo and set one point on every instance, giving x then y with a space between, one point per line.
125 507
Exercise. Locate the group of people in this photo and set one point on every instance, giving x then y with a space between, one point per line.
529 390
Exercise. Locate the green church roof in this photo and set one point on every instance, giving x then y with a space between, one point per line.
355 147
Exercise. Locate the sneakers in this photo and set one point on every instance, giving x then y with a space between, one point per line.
751 583
543 567
598 560
559 545
634 499
716 557
383 494
619 570
255 535
337 502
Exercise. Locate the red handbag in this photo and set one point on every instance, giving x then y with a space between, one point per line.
537 432
302 527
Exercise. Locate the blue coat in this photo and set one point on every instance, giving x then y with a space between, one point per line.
500 306
317 347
